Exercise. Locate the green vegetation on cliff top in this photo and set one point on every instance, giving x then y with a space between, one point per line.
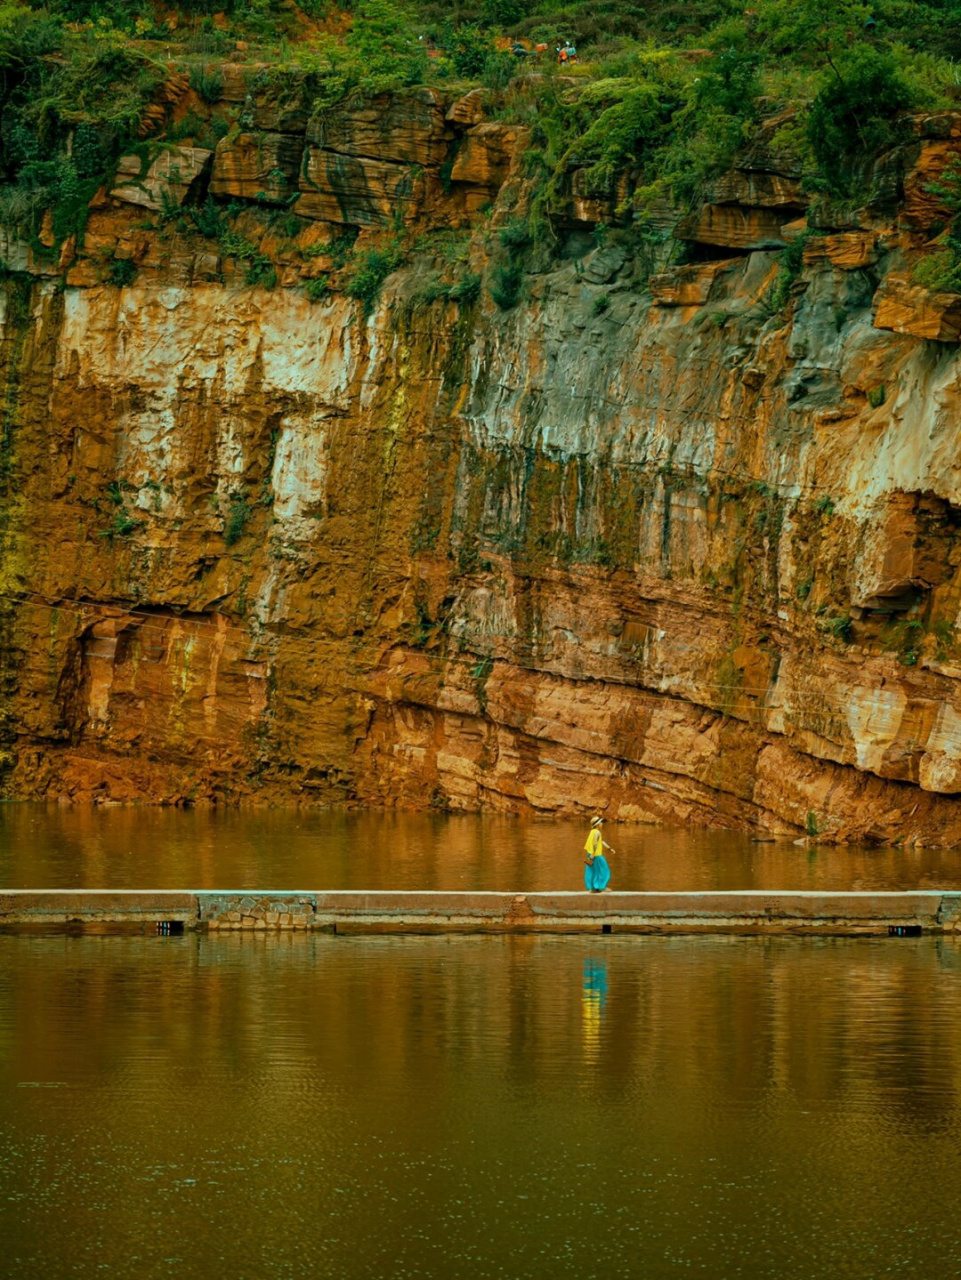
667 92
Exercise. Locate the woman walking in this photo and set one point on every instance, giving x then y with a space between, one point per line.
597 873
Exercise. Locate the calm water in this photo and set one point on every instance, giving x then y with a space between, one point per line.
501 1107
49 847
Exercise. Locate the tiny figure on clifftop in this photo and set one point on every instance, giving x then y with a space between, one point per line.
597 873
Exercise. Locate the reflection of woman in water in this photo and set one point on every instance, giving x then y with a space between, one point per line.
597 873
593 1000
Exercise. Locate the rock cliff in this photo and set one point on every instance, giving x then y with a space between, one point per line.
677 542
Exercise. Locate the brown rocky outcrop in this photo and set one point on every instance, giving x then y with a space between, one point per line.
745 208
913 309
358 191
734 226
408 128
687 286
468 110
485 156
683 544
257 166
847 250
167 179
923 205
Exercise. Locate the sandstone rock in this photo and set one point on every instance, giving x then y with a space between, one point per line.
793 230
940 766
588 206
484 156
762 190
403 128
168 178
83 275
281 108
912 309
892 595
356 191
534 560
745 210
733 226
848 250
237 78
257 166
765 151
687 286
128 661
174 89
604 264
905 550
206 266
468 110
940 772
20 255
152 120
45 235
922 207
939 124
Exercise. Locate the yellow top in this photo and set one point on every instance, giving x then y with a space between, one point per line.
594 843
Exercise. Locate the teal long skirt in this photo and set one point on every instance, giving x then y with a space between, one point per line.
597 874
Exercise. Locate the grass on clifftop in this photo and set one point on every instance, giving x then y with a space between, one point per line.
665 93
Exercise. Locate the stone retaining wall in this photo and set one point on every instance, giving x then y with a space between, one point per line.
387 911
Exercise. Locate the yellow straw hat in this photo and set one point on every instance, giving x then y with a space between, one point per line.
596 822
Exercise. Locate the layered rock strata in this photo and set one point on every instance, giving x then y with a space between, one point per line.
676 542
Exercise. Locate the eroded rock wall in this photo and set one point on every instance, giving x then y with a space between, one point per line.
640 543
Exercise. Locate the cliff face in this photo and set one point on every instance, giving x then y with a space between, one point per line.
667 549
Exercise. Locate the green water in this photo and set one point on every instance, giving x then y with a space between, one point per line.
50 847
501 1107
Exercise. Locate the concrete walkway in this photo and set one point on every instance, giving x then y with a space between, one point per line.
388 911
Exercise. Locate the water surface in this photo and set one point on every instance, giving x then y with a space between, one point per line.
494 1107
50 847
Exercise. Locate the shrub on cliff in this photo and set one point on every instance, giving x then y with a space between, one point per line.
26 35
669 124
941 268
623 133
370 269
259 270
503 13
102 80
207 82
505 284
121 272
468 48
318 288
856 111
381 53
65 120
238 513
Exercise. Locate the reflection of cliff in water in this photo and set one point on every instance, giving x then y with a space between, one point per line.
82 847
820 1019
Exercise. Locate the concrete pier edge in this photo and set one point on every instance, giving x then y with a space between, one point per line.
751 911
